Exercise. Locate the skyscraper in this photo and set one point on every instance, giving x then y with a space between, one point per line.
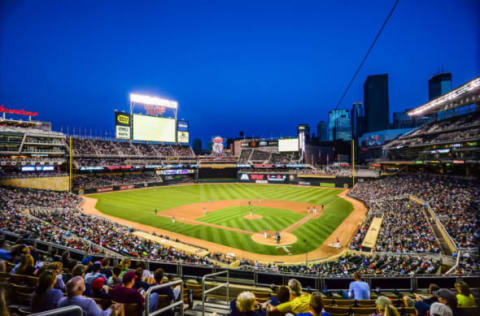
322 131
375 98
339 125
439 84
357 117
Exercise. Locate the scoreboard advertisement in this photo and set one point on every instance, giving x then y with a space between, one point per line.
150 128
122 125
182 132
288 145
182 137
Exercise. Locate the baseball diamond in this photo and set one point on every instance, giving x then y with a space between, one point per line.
227 223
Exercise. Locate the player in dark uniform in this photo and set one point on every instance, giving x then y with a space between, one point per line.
277 235
156 211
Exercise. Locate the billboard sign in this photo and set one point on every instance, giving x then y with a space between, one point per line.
122 125
182 137
288 145
182 125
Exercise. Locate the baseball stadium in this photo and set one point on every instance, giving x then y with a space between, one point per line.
143 221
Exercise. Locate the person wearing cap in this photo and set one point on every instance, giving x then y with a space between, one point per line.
75 289
97 289
385 307
125 293
94 274
464 297
447 303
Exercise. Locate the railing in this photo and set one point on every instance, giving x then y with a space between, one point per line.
166 308
205 291
73 310
456 263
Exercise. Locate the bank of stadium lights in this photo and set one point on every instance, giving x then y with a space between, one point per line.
421 110
149 100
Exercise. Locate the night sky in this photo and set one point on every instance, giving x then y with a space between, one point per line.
257 66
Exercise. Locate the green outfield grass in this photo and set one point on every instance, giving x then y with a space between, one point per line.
273 218
139 206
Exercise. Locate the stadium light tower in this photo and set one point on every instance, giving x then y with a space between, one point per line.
152 100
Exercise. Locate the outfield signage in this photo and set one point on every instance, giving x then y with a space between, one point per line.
176 171
263 178
127 187
91 168
38 168
277 177
105 189
244 177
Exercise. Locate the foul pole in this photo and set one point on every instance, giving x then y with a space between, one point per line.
70 180
353 163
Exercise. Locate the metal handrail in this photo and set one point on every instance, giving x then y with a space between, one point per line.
73 310
459 254
172 305
205 292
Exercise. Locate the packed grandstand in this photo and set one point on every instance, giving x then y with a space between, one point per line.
422 196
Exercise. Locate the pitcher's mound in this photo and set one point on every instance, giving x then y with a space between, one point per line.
254 216
285 239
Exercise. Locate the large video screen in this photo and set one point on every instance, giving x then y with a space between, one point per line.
182 137
155 129
289 144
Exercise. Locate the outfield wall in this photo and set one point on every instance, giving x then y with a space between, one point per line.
43 183
292 178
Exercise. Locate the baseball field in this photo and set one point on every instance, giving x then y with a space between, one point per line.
240 216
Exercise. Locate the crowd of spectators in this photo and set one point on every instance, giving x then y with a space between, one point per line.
456 201
404 228
96 147
55 217
459 128
98 181
383 265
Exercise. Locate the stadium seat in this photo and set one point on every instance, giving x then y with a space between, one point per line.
366 302
363 310
470 311
24 280
341 302
337 310
129 309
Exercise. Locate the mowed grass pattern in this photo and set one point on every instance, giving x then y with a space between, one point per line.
139 206
273 218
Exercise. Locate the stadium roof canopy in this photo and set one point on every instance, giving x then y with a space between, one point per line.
467 93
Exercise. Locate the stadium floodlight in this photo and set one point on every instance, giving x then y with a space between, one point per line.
149 100
449 97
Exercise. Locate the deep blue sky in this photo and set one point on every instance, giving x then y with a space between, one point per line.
257 66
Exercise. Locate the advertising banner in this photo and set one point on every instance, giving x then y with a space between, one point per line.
276 178
104 189
126 187
122 125
182 137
